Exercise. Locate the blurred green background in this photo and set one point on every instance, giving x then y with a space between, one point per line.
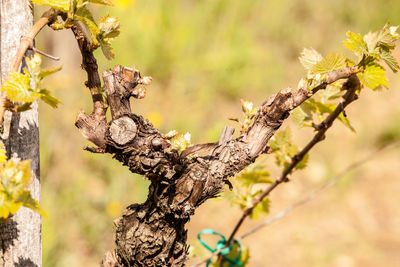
204 55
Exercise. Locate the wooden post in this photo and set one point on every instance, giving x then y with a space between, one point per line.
20 238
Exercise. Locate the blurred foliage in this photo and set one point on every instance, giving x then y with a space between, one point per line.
26 87
203 56
14 179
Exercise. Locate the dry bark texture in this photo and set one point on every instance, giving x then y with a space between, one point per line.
20 238
153 233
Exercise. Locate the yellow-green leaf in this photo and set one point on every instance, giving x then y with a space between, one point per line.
102 2
180 142
356 43
46 72
373 76
390 60
62 5
46 96
331 62
26 200
17 88
244 257
109 27
309 58
85 16
3 156
107 49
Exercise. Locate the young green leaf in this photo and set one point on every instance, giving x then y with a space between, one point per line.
326 108
330 93
331 62
233 254
261 208
107 49
356 43
46 72
26 199
17 87
62 5
85 16
373 76
46 96
309 58
109 27
303 163
102 2
390 60
180 142
299 117
14 178
254 174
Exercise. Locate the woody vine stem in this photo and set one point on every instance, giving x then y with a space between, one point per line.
153 233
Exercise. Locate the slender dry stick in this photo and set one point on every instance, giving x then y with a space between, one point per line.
89 63
329 184
26 42
311 196
351 85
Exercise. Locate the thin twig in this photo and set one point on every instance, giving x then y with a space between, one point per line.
352 84
209 258
89 63
327 185
26 42
45 54
312 195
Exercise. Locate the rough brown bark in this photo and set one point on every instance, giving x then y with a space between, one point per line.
153 233
20 238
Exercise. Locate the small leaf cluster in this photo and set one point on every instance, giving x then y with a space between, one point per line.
26 87
249 183
372 50
249 112
101 32
284 149
178 141
14 179
243 258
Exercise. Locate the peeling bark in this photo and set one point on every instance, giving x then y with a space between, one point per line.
153 233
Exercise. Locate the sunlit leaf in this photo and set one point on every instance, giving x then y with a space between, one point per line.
261 209
331 62
17 88
3 156
303 163
346 122
373 76
26 200
102 2
243 259
109 27
180 142
309 58
299 116
254 174
85 16
46 96
24 107
390 60
33 65
356 43
107 49
62 5
46 72
14 179
327 108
